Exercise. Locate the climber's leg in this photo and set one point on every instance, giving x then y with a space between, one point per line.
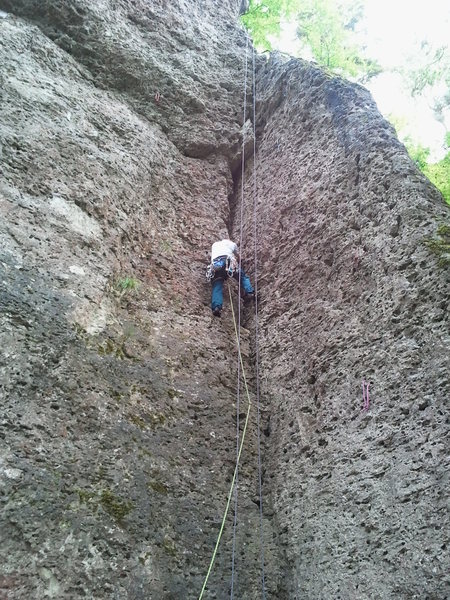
245 281
217 296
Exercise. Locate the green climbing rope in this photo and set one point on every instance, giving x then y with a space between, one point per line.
230 493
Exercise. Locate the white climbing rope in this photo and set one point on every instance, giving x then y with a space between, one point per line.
241 223
240 364
255 266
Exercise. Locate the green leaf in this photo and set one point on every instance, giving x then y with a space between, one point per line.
325 29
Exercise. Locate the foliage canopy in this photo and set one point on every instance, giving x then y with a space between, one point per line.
263 19
438 172
325 29
430 73
326 32
429 76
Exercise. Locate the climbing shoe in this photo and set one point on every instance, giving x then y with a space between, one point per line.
217 311
248 297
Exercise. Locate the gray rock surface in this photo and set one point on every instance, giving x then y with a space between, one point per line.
349 294
118 388
120 137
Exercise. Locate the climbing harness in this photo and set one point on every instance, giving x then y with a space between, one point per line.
215 271
221 267
209 272
231 266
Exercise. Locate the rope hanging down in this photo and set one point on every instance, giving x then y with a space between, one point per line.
258 419
241 223
240 364
230 493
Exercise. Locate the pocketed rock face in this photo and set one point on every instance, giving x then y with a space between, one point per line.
175 63
350 293
117 387
120 132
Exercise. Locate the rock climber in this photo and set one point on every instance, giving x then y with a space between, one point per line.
225 263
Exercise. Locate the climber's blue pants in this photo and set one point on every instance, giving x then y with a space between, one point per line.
217 288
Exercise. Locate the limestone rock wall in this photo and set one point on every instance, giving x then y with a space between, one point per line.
119 131
349 294
120 136
175 63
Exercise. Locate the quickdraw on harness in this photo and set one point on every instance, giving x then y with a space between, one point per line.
221 267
